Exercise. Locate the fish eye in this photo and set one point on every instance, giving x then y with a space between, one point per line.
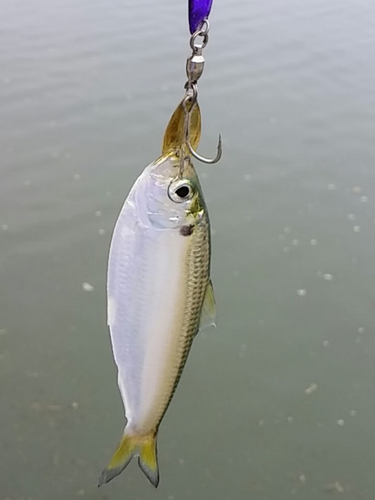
183 191
180 191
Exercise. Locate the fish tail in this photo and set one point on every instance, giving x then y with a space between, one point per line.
132 445
148 459
125 451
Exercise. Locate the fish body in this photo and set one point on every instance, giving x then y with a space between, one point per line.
158 285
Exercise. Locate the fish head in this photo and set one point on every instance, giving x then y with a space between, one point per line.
173 201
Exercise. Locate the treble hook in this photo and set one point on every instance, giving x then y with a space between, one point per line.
197 156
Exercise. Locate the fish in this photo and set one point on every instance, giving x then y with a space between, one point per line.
159 292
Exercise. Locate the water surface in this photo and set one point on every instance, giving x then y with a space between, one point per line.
278 402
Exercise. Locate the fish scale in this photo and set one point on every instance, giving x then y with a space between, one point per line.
198 267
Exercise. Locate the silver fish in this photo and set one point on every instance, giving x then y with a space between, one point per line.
159 293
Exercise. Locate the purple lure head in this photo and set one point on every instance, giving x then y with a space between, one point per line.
199 10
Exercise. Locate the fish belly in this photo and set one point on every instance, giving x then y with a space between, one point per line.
147 290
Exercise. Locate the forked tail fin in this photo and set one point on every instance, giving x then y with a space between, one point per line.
148 459
143 446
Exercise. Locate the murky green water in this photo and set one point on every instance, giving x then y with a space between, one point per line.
278 403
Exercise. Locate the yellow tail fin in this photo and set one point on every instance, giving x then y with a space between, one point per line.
143 446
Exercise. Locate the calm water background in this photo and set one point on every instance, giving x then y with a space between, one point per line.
278 403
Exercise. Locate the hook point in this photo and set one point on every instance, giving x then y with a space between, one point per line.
202 158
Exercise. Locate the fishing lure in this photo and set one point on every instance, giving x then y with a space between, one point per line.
159 289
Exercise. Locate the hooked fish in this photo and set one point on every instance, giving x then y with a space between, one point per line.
159 292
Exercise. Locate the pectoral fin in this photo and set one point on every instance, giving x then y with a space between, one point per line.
208 314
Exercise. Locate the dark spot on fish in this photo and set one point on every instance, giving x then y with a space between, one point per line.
186 230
